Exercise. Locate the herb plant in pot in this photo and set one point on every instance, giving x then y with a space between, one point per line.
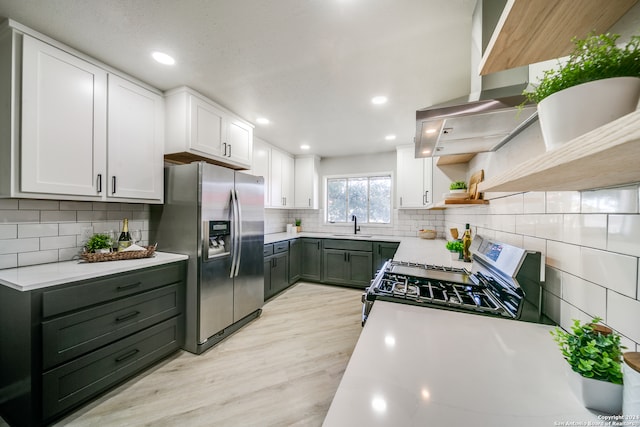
99 243
600 82
594 354
455 247
458 190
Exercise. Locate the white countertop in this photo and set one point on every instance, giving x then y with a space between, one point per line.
279 237
57 273
416 366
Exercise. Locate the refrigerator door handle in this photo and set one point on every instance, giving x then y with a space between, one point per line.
234 234
239 236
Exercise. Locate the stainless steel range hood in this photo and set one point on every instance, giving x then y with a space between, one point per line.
489 117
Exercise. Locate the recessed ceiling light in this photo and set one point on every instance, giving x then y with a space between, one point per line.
390 137
426 152
163 58
262 120
304 147
431 130
379 100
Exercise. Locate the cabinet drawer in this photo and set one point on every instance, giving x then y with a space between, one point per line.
349 245
96 291
268 250
70 336
280 247
76 381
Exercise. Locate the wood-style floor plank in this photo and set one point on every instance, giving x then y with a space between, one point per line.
280 370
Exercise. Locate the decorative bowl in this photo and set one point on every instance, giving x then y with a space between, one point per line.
427 234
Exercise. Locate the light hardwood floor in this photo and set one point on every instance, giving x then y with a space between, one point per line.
280 370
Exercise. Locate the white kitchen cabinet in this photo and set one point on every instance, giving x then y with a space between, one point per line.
306 182
261 166
135 142
414 179
66 118
63 132
282 174
199 129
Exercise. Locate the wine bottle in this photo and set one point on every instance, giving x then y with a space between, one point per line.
124 241
466 244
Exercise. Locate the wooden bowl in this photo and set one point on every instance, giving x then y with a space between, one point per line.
427 234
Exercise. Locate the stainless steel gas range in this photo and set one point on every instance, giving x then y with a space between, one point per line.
505 281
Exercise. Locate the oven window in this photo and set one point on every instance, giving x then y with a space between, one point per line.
366 197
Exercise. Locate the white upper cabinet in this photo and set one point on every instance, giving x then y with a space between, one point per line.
262 166
64 121
135 144
199 129
414 179
306 182
66 118
282 174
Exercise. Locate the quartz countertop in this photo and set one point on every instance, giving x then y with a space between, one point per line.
57 273
279 237
416 366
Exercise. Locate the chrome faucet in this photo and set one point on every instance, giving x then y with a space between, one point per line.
355 224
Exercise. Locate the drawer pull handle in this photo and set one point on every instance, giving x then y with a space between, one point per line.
127 355
127 316
127 287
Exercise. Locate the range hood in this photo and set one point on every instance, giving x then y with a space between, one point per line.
489 117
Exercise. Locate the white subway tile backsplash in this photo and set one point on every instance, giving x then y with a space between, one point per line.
9 246
9 204
624 234
58 216
614 271
76 228
563 202
40 257
563 256
551 306
585 230
92 216
68 254
9 231
66 205
8 261
37 230
16 216
623 314
29 204
534 202
57 242
611 200
569 313
553 281
586 296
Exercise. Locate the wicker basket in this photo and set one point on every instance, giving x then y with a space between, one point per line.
427 234
117 256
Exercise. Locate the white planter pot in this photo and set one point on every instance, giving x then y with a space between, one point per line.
577 110
598 395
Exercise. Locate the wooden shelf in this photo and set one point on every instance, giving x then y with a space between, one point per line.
531 31
454 159
605 157
459 203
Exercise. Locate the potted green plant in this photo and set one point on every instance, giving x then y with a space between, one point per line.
455 247
594 354
99 243
598 83
298 225
458 186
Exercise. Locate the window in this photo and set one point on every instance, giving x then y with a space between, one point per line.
366 197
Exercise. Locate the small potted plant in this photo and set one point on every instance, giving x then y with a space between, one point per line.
598 83
594 353
455 247
298 225
99 243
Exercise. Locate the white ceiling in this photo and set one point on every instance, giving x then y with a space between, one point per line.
310 66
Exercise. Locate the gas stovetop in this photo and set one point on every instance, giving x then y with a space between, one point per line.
485 290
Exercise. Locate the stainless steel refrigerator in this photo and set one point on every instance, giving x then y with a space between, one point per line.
215 215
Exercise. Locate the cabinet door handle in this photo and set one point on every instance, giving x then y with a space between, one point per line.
127 316
127 355
127 287
99 183
318 244
425 197
113 185
400 200
309 202
229 150
225 148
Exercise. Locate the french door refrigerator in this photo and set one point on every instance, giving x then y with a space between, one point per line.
215 215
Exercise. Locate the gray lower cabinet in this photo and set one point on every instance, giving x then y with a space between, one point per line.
295 260
348 262
276 268
311 265
77 340
383 251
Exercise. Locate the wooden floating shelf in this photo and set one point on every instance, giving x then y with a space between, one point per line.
458 203
454 159
531 31
605 157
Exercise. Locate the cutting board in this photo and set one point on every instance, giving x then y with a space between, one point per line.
475 179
